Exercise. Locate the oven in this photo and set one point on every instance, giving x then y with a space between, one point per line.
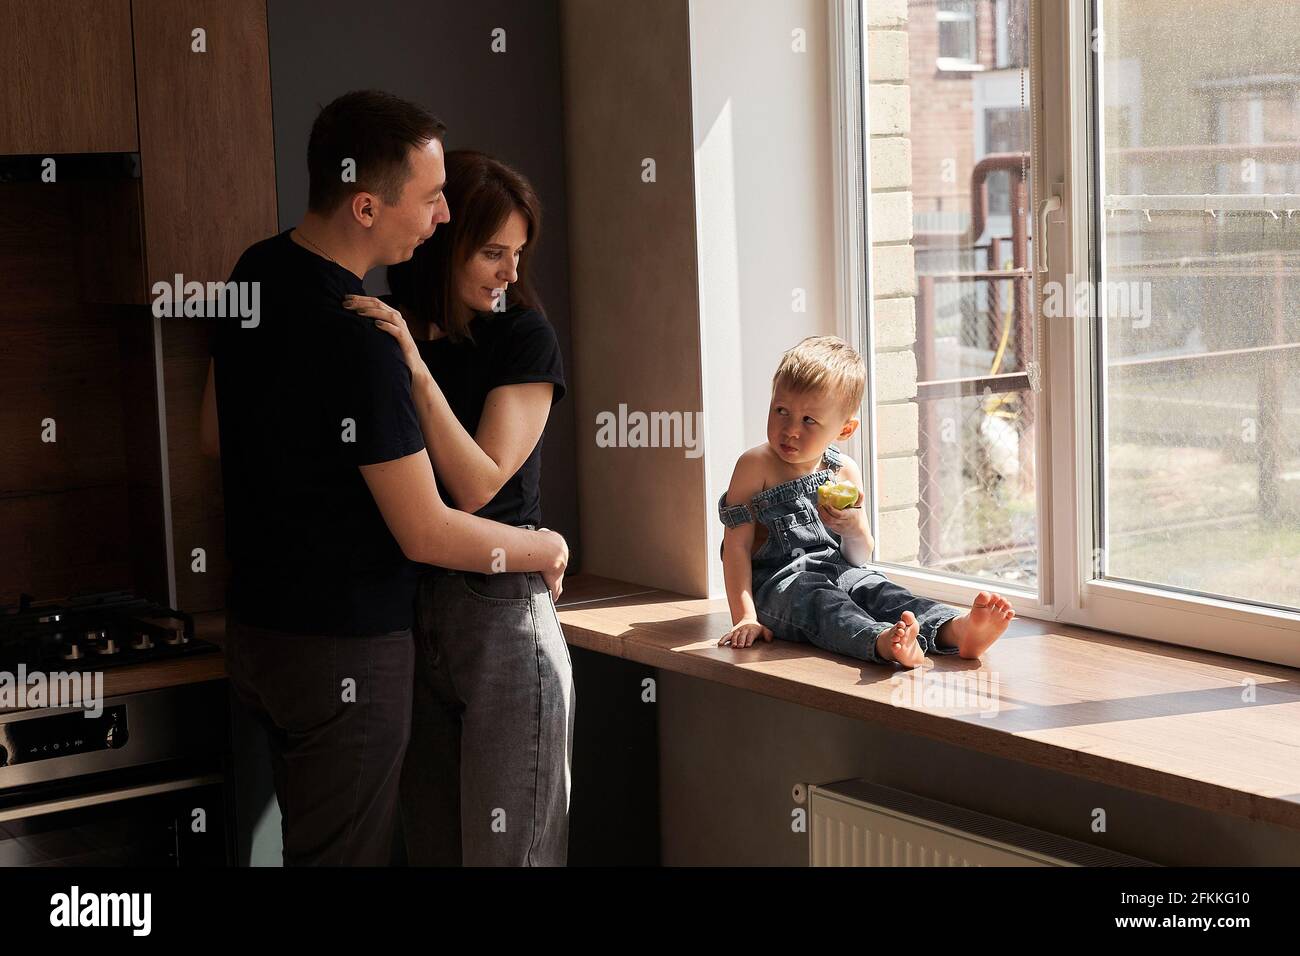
141 784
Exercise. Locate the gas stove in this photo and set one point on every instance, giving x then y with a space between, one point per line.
94 632
119 783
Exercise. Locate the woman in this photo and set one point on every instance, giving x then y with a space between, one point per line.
486 778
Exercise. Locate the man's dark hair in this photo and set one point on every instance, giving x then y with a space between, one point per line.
374 129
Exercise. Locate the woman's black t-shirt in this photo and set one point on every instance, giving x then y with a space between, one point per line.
508 348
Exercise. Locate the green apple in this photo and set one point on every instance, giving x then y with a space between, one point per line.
838 494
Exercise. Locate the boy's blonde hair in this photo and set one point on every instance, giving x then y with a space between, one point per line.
825 364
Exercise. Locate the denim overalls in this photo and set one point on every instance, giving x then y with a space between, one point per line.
806 590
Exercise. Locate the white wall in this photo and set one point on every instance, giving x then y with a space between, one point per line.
763 191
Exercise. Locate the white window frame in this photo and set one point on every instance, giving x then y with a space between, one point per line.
1069 591
957 63
1001 42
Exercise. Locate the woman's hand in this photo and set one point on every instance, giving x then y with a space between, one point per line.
554 575
391 321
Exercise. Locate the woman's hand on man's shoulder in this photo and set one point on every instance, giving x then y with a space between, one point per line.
388 320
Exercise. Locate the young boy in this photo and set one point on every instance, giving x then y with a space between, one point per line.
795 567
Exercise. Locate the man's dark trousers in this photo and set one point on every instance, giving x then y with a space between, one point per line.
337 715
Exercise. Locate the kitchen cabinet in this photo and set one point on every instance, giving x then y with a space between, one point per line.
207 160
80 499
123 498
68 77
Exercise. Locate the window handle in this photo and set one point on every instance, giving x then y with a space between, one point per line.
1048 205
1032 368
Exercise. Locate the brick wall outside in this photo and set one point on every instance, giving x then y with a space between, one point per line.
945 129
922 152
893 276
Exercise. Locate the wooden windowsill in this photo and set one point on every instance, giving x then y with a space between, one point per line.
1153 718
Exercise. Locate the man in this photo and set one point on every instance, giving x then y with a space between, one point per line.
329 492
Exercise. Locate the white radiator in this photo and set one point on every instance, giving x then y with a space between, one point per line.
856 823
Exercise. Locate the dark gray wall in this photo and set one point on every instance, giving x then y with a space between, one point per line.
438 53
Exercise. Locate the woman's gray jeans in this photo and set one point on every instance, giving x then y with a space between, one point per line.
487 772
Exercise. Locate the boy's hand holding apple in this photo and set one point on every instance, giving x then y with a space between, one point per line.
839 504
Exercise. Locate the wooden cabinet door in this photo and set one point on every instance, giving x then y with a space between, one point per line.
67 80
207 164
207 154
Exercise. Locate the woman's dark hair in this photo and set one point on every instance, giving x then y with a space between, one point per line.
481 193
376 131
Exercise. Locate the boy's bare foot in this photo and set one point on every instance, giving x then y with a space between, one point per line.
899 642
976 630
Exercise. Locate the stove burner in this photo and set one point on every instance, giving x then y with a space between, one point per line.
93 632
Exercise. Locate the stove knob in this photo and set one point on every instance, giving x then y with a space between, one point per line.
72 652
109 646
177 636
142 642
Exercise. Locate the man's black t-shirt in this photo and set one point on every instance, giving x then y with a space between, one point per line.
303 398
508 348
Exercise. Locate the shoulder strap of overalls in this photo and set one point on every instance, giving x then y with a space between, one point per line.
733 516
833 458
